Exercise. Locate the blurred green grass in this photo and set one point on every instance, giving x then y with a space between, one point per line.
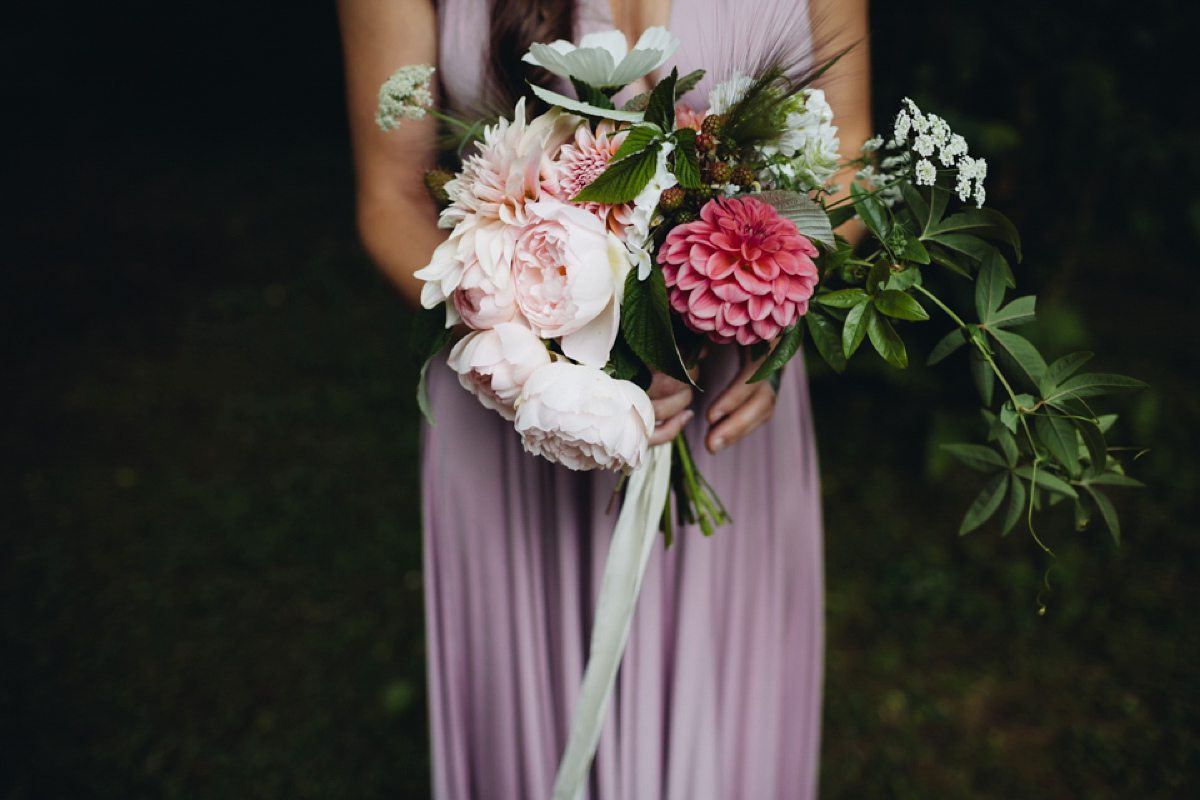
210 576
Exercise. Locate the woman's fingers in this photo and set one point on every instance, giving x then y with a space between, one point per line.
671 400
740 409
669 429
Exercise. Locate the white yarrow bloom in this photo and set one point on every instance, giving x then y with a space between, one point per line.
604 59
924 145
926 173
405 94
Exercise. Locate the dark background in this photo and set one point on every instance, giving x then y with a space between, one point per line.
210 579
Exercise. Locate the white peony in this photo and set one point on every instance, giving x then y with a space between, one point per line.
584 419
495 364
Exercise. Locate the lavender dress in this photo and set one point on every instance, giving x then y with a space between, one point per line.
719 694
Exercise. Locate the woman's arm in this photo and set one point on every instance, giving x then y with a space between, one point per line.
397 219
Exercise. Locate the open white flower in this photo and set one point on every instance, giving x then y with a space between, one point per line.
603 59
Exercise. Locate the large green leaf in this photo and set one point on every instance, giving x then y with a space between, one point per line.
810 220
1058 435
1006 442
981 222
916 204
977 456
789 343
904 280
1020 311
971 246
949 343
900 305
913 250
660 110
856 327
886 341
1019 357
1107 512
638 138
1093 443
985 504
1047 480
938 198
622 180
646 324
843 298
686 166
1093 383
828 338
1117 479
1062 369
951 259
591 95
683 85
872 211
841 214
989 287
983 376
1016 504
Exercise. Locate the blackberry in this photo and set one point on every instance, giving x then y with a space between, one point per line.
671 199
705 142
713 124
718 172
741 176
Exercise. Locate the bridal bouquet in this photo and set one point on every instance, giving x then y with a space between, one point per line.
591 245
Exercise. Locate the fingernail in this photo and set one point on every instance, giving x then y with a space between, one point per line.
687 416
717 445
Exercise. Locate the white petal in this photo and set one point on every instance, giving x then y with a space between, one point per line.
592 344
635 65
657 38
612 41
554 98
593 65
549 57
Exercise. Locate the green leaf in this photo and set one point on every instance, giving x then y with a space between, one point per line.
638 138
856 327
1016 504
913 250
687 165
1106 511
1058 435
1093 383
971 246
981 222
684 85
976 456
789 343
985 504
938 198
827 337
1007 443
810 220
989 287
949 343
1048 481
646 324
886 341
1093 442
660 110
1019 356
1062 369
900 305
1019 312
591 95
916 204
872 211
1106 421
843 298
429 337
904 280
984 377
623 363
950 259
571 104
622 180
878 277
841 214
1116 479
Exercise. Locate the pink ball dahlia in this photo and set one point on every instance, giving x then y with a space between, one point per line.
739 273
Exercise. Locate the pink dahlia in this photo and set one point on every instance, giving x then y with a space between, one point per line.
739 273
581 160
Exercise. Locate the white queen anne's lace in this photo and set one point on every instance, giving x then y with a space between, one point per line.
405 94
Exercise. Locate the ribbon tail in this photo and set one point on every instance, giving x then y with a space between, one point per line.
632 541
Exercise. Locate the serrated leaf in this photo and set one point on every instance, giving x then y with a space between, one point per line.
1107 512
1062 369
637 139
900 305
591 95
856 327
843 298
789 343
1116 479
985 504
1016 504
1058 435
1018 355
686 167
949 343
1048 481
809 218
660 110
1094 383
622 180
976 456
1020 311
828 339
646 324
982 222
904 280
886 341
1093 443
872 211
984 377
688 82
989 287
624 364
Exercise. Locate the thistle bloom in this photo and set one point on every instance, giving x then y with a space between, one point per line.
740 272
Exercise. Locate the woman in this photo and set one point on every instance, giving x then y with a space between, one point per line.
719 693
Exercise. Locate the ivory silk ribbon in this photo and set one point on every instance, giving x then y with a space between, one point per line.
632 541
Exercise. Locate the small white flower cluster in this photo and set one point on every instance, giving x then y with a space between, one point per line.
929 134
405 94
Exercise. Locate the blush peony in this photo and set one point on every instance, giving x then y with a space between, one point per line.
495 364
583 418
739 273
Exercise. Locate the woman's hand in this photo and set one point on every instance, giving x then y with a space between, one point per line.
739 409
671 400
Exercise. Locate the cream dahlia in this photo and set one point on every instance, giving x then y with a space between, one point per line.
739 273
581 160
